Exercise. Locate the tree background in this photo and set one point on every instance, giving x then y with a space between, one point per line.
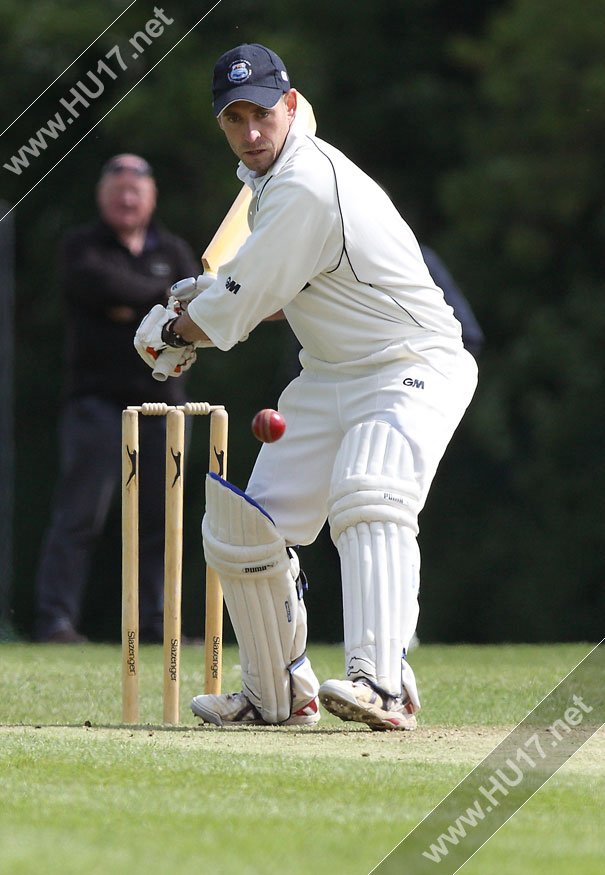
485 121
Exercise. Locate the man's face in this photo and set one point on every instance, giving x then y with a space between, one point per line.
256 134
126 200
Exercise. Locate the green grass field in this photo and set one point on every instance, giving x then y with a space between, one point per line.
83 794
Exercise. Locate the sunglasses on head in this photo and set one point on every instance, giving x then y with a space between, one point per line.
115 166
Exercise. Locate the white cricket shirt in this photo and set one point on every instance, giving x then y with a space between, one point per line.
330 249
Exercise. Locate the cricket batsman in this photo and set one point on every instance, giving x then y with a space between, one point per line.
385 381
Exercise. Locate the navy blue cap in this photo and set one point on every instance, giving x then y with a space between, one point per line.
249 72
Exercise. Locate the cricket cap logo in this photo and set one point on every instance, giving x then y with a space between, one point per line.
239 71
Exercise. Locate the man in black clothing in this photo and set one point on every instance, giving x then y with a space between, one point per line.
472 334
112 272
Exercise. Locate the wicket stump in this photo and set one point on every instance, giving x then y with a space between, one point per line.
173 555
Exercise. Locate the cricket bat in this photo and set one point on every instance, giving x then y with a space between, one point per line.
234 230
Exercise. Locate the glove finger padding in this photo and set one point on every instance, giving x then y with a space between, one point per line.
186 290
148 337
173 362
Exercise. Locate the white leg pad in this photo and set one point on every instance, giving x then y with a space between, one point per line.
373 510
259 580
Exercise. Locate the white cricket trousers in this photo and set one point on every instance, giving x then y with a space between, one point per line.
291 477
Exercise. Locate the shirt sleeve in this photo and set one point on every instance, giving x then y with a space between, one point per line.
297 234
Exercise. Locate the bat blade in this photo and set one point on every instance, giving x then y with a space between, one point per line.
230 234
234 229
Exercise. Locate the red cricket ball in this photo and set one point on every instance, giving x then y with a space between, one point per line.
268 425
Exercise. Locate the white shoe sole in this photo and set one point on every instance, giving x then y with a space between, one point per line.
302 720
343 704
209 716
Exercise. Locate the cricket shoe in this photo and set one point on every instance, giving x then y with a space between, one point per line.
359 700
235 709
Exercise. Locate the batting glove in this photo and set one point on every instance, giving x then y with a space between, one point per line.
186 290
163 360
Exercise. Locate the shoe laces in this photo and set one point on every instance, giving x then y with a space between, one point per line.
389 702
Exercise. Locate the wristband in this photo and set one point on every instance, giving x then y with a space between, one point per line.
169 336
